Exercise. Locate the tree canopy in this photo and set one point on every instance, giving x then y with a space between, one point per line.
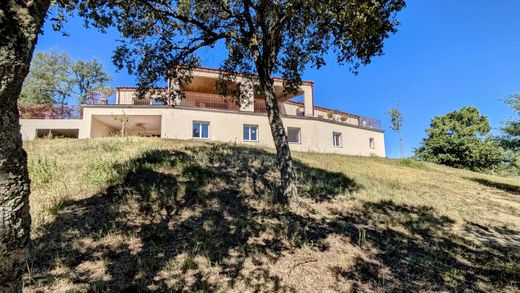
511 128
457 139
54 78
48 81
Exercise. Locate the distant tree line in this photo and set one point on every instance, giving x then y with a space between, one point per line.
54 78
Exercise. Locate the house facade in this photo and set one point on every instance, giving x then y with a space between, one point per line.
203 114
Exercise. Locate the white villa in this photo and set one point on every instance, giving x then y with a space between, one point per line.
205 115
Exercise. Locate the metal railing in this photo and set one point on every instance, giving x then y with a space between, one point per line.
191 99
208 101
369 123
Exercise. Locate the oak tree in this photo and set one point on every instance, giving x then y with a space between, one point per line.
160 42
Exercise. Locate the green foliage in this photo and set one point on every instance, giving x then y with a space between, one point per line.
396 119
42 169
88 75
511 128
54 77
261 37
455 139
412 163
48 80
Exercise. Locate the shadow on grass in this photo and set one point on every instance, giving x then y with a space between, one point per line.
412 248
200 219
499 185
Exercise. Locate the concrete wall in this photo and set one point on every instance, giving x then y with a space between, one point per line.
227 126
29 127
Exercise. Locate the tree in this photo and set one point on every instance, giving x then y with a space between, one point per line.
397 119
20 24
511 128
53 78
510 138
88 76
456 139
49 80
262 38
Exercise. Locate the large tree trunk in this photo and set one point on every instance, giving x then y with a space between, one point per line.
281 143
20 23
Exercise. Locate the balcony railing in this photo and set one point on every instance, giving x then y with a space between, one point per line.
369 123
191 99
50 111
208 101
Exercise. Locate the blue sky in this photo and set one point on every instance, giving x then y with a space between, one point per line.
447 54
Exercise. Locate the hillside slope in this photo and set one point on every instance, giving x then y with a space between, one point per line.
159 215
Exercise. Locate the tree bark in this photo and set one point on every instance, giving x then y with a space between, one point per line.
20 23
283 153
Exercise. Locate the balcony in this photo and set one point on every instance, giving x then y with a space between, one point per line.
195 100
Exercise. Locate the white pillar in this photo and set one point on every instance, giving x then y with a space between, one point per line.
308 100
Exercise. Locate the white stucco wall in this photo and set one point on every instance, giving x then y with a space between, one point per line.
29 127
226 126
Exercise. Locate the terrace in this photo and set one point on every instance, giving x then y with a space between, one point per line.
204 101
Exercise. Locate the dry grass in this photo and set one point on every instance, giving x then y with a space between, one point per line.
159 215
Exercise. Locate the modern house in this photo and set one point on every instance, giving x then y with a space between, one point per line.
205 115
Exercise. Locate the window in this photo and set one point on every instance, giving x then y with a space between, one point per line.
372 143
336 139
250 133
293 134
201 130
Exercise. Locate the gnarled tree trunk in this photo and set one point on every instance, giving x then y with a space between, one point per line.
20 23
281 143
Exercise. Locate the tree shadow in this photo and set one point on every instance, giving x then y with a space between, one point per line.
413 249
179 220
499 185
202 219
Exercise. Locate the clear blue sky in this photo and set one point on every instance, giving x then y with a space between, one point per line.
446 55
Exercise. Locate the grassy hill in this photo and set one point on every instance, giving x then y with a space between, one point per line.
149 214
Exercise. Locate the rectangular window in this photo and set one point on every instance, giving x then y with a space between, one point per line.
250 133
372 143
336 139
294 134
200 129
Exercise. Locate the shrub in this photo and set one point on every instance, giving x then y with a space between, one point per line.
455 140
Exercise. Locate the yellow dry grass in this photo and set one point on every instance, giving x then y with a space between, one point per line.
144 214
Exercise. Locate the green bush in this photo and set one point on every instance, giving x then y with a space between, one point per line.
455 140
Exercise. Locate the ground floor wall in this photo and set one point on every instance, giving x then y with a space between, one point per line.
316 135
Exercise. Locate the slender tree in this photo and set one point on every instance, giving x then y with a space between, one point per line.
396 123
